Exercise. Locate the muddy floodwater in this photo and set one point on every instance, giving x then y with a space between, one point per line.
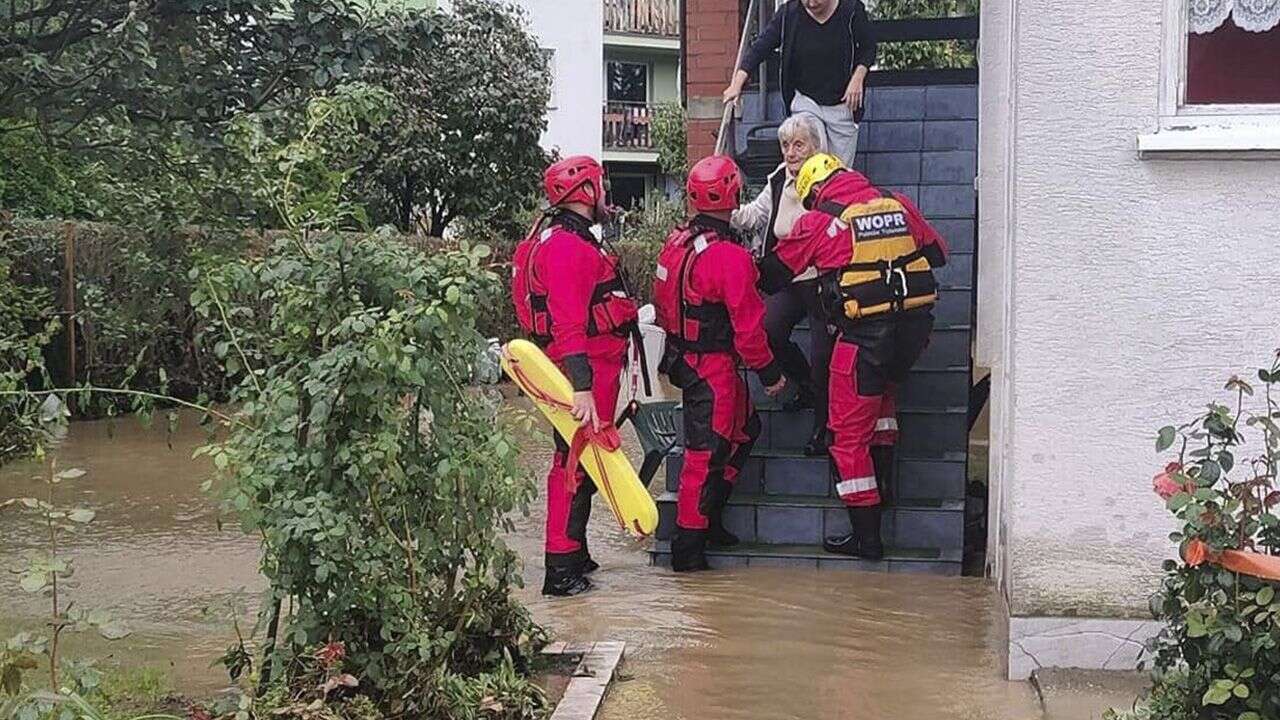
749 644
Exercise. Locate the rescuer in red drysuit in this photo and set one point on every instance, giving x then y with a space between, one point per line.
572 301
876 254
706 300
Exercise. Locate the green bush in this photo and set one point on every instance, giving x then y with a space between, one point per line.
381 527
1218 655
931 54
42 181
670 137
470 89
380 483
27 325
134 323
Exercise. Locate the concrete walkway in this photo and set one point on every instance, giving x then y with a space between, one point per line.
1086 694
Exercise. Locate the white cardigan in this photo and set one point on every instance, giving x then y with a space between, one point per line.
753 218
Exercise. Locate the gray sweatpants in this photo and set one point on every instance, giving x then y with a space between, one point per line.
842 129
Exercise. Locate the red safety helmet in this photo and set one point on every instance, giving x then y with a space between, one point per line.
575 179
714 184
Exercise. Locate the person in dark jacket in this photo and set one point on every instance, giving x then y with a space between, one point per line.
828 48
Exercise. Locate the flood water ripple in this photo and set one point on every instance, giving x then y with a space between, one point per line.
750 644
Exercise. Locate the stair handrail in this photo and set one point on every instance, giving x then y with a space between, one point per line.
725 117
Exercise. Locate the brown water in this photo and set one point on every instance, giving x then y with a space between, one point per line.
750 644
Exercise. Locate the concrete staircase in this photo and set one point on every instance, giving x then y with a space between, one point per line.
785 503
920 141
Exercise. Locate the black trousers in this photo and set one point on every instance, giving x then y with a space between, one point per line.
783 310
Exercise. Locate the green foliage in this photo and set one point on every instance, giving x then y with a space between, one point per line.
379 482
141 688
925 54
651 222
1169 699
135 327
27 324
130 101
1219 652
70 704
670 138
299 178
42 181
68 67
471 88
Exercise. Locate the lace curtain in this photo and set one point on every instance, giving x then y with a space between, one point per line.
1253 15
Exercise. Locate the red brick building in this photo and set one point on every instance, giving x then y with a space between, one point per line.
710 50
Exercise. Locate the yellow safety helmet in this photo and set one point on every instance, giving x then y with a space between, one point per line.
816 169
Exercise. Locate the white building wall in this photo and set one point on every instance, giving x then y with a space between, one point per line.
1127 291
574 30
995 167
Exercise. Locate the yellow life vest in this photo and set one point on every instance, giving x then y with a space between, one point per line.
887 273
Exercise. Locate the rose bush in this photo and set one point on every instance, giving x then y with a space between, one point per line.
1218 655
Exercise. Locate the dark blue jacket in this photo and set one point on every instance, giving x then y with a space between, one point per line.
781 31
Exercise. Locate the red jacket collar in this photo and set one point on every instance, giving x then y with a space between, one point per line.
847 186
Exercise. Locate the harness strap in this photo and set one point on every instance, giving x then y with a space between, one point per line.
886 265
704 313
832 208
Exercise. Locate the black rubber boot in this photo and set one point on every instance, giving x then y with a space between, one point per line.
866 525
818 443
579 516
688 550
864 540
841 544
565 580
882 458
715 496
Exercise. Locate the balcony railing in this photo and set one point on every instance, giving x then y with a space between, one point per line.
643 17
626 126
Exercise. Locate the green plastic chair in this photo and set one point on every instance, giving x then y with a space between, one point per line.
656 426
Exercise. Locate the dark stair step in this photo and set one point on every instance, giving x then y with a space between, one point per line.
950 347
928 431
778 474
926 388
904 560
800 519
957 273
771 474
936 387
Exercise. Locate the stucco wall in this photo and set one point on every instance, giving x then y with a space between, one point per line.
1132 289
574 29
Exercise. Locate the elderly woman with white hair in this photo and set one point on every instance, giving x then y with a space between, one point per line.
767 219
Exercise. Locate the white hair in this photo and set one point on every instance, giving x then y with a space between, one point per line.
803 122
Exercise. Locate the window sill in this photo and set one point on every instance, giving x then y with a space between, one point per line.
1241 142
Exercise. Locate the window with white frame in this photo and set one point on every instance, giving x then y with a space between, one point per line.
1224 60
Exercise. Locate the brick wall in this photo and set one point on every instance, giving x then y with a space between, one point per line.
711 37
